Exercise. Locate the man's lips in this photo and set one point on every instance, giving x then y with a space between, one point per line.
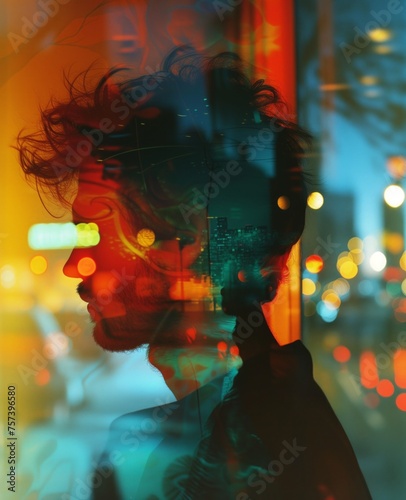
112 309
83 292
94 313
86 297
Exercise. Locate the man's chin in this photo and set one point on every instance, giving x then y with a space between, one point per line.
112 336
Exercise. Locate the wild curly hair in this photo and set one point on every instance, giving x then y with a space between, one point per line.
158 130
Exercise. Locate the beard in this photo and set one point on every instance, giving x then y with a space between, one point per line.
126 333
141 312
136 314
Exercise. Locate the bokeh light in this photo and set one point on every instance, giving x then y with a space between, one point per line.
393 242
7 276
191 333
234 351
396 166
383 49
341 354
87 234
368 370
283 202
392 273
357 256
326 313
399 368
355 243
222 346
331 299
401 402
38 264
341 286
63 235
344 257
42 377
394 196
399 307
241 276
394 288
385 388
369 80
348 270
377 261
314 264
145 237
315 200
379 35
86 266
308 286
402 261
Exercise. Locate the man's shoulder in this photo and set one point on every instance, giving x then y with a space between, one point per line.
158 414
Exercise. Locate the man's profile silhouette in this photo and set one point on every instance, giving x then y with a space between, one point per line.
193 178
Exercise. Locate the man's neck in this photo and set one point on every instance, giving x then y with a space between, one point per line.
195 351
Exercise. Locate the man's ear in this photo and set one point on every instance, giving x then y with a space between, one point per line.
179 253
190 246
243 290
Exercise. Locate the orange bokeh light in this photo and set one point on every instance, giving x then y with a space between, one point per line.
191 333
86 266
399 367
222 346
283 202
341 354
43 377
314 263
393 273
241 276
368 370
401 402
396 166
234 351
385 388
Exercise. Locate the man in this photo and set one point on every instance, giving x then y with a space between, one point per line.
193 178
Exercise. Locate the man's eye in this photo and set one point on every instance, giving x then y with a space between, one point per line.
87 234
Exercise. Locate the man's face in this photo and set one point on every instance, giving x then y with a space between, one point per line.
129 280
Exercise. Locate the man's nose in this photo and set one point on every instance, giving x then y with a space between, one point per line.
70 269
79 264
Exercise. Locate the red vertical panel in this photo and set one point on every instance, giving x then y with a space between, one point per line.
281 60
275 60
